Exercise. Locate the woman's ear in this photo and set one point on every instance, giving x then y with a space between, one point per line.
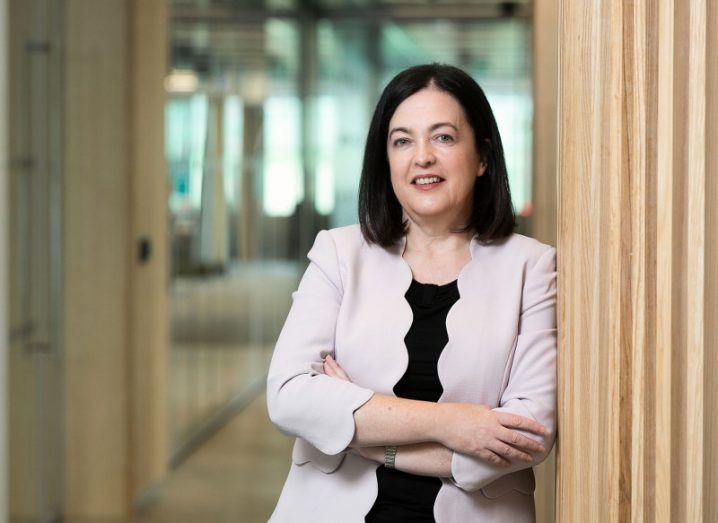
482 169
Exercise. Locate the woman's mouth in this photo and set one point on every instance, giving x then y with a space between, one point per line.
427 183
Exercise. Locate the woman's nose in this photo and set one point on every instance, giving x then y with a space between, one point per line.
424 156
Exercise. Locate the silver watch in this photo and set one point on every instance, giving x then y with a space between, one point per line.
389 457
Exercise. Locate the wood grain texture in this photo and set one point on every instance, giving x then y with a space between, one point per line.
637 228
710 426
695 153
664 260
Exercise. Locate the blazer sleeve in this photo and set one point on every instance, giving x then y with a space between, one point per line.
302 401
531 388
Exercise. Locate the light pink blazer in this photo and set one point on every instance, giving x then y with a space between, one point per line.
350 303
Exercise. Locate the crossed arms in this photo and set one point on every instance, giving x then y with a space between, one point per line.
472 444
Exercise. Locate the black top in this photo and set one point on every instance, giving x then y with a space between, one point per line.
403 496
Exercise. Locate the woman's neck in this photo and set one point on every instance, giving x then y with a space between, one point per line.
435 242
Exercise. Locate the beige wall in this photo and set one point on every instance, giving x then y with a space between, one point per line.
115 192
637 244
149 307
98 252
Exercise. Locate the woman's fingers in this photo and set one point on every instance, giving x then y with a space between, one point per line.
343 375
508 452
515 421
515 439
334 366
336 370
328 370
493 458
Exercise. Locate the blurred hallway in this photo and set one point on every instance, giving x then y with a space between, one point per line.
171 163
235 477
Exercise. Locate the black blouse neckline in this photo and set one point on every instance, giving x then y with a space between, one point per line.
435 284
432 294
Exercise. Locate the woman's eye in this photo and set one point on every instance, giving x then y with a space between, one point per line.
445 138
400 141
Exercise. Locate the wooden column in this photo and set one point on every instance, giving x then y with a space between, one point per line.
637 245
709 492
115 304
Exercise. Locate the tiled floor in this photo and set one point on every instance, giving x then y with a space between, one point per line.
235 477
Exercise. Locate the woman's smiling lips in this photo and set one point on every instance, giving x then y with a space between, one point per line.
426 186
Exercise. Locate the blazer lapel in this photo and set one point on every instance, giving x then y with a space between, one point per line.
474 362
375 317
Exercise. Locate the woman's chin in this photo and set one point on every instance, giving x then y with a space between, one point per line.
429 214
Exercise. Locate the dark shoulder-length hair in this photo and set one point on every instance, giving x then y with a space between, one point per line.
380 213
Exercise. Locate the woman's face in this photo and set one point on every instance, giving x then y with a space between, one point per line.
430 136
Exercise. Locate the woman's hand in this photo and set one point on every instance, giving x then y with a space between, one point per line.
332 368
479 431
470 429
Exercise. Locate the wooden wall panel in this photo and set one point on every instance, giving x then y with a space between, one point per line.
710 427
637 277
115 190
589 298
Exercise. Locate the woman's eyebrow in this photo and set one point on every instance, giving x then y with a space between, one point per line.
432 128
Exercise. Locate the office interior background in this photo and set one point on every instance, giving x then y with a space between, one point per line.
167 164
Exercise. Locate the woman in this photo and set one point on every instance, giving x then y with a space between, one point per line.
416 367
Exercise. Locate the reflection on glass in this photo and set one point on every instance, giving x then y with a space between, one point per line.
283 179
327 140
232 152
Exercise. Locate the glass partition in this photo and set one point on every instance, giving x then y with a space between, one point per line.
35 356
